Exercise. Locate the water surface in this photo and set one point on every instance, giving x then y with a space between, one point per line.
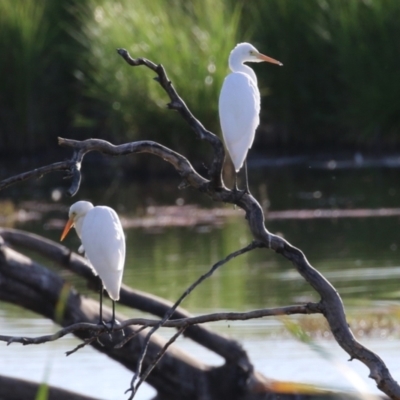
360 257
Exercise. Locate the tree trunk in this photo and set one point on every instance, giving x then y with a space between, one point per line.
177 375
20 389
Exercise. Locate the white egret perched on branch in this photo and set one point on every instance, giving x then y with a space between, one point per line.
239 104
103 242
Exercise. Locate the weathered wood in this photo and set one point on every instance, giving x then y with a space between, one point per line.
28 284
331 302
177 376
330 305
222 345
21 389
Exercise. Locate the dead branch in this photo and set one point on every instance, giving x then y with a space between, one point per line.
35 173
177 103
309 308
55 252
143 376
226 347
17 389
330 304
171 311
28 284
174 374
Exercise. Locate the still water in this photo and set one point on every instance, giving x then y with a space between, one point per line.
360 257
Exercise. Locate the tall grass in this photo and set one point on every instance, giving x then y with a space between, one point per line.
191 39
36 73
339 84
22 43
367 35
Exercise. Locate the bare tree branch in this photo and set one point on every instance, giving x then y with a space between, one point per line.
35 174
177 103
331 304
150 368
181 164
28 284
171 311
20 389
82 345
55 336
226 347
177 375
309 308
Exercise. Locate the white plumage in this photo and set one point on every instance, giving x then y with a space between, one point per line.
103 241
239 110
239 102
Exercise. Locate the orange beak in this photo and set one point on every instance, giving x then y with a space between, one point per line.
268 59
68 226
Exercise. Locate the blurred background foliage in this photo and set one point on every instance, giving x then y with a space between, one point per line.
60 74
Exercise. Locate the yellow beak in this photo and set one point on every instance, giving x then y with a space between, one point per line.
268 59
68 226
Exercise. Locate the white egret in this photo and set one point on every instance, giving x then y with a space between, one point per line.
239 104
103 242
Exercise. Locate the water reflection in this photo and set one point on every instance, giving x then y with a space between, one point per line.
360 256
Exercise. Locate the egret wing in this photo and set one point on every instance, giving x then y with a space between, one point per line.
104 243
239 109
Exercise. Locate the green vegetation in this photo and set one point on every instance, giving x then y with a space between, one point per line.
341 60
43 392
39 56
60 74
192 41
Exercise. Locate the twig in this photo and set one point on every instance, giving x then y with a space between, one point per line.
309 308
227 348
179 162
331 303
130 337
36 173
82 345
177 103
155 362
51 338
169 313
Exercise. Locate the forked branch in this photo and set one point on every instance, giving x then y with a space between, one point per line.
309 308
330 304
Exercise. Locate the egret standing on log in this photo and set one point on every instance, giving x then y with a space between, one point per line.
239 104
103 242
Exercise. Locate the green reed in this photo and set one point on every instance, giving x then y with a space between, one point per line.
339 84
191 39
60 74
22 41
37 83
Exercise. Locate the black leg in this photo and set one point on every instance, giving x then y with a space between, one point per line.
101 322
113 315
247 178
235 186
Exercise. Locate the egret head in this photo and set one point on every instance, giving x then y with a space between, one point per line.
246 52
76 214
79 209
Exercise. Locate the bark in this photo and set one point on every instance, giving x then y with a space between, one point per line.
227 348
20 389
177 375
236 377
